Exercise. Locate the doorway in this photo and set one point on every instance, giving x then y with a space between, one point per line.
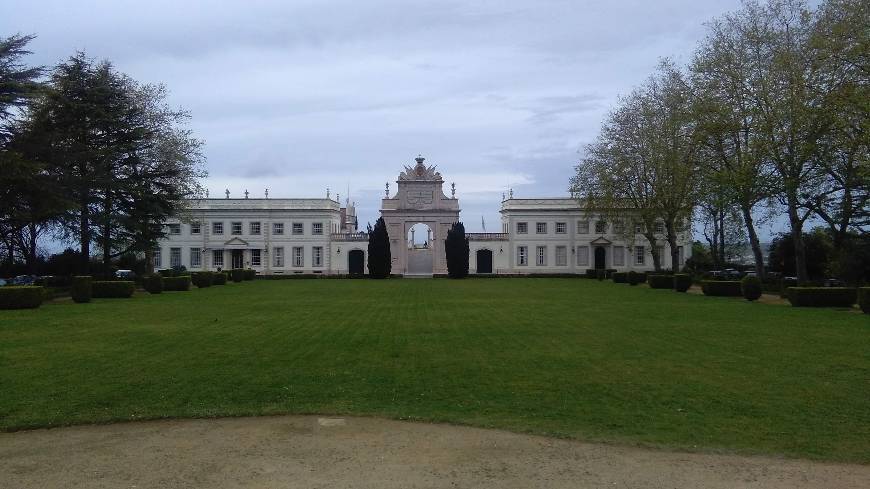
238 258
356 262
484 261
600 258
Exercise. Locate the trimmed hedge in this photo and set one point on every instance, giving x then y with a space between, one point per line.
202 279
153 283
620 277
864 299
784 285
219 278
113 290
722 288
751 287
600 274
250 274
660 281
682 282
81 290
635 278
21 297
822 296
177 284
591 273
237 274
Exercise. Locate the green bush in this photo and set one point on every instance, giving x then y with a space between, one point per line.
153 283
202 279
682 282
635 278
112 290
864 299
176 283
784 286
722 288
600 274
619 277
250 274
660 281
218 278
237 274
591 273
751 287
81 290
822 296
21 297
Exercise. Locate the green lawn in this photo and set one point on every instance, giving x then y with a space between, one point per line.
566 357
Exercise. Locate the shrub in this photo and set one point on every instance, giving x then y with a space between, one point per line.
864 299
635 278
237 274
751 287
591 273
21 297
176 283
822 296
113 290
81 289
250 274
682 282
784 286
600 274
660 281
722 288
619 277
218 278
202 279
153 283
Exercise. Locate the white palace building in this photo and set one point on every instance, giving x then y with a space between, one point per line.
321 236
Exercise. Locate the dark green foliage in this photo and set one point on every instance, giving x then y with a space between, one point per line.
112 290
601 274
457 251
722 288
176 283
620 277
864 299
818 251
784 286
682 282
250 274
218 278
822 296
380 261
25 297
153 283
635 278
237 274
81 289
751 287
660 281
202 279
591 273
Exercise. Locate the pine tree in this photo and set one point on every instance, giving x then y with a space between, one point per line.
380 260
456 248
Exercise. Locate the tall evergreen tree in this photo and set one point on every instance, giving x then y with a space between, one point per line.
380 261
456 248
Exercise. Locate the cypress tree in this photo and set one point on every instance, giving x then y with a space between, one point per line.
456 248
380 260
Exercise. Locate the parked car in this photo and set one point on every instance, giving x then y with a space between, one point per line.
23 280
125 274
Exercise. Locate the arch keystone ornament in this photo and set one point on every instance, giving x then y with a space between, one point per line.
419 198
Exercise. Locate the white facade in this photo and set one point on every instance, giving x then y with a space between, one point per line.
287 236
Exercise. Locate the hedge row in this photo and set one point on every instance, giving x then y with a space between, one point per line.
864 299
722 288
82 289
113 290
822 296
21 297
658 281
180 283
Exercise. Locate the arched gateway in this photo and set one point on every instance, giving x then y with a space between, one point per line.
419 199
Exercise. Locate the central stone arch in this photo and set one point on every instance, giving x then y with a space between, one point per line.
419 198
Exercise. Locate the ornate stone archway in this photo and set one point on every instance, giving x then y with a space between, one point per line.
419 198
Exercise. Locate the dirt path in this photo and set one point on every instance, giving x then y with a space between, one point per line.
307 451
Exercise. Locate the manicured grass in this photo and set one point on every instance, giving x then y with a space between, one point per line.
565 357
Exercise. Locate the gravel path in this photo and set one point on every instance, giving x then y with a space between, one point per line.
309 451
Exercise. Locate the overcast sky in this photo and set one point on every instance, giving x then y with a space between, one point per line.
298 96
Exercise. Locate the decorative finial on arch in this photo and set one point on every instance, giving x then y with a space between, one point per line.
227 191
246 193
387 191
327 192
511 194
267 193
453 190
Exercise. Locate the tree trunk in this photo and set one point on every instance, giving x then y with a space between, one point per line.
797 236
85 235
31 248
753 240
672 243
651 238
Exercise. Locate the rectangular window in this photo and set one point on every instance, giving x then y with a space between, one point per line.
522 255
583 255
582 227
316 228
561 256
217 258
255 258
561 227
317 256
278 228
195 258
255 227
639 255
298 256
542 256
236 228
175 257
522 228
156 258
174 228
298 228
217 228
618 256
541 228
660 227
278 257
195 228
638 228
618 227
600 227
